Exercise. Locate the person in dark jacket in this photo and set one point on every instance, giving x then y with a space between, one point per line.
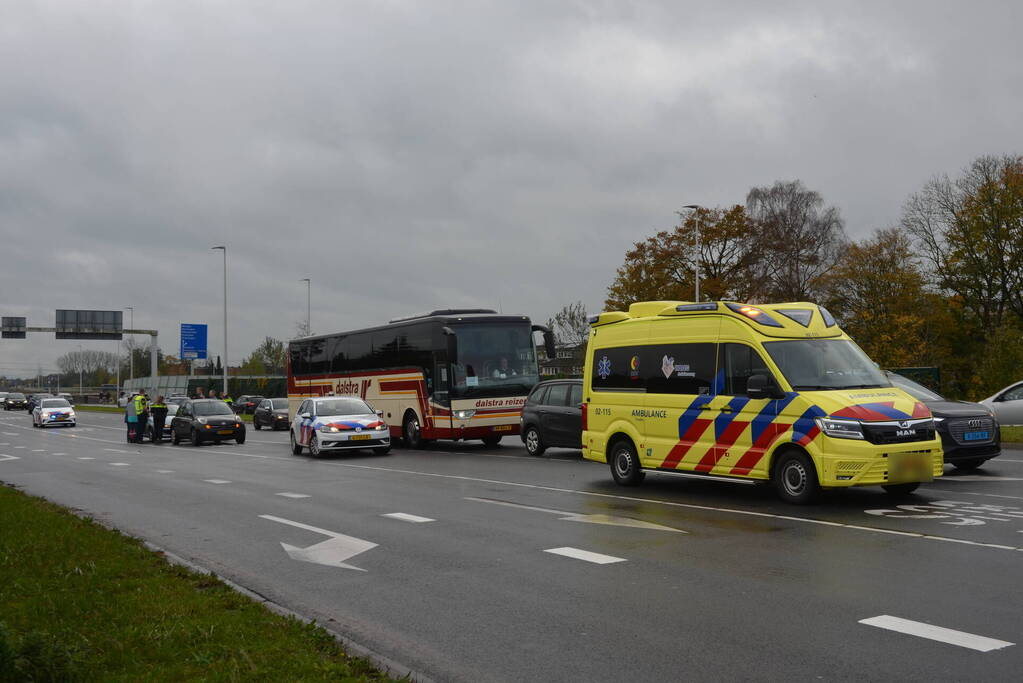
159 412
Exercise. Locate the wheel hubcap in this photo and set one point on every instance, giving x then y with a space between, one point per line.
413 430
623 463
532 440
794 478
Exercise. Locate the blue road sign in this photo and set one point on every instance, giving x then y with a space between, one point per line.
193 341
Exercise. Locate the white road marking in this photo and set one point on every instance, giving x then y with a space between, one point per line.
5 443
165 471
38 450
585 555
977 477
114 450
86 458
120 464
60 453
288 494
609 520
405 517
938 633
333 552
19 446
10 433
8 457
216 481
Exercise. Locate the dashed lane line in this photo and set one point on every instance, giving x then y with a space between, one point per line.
120 464
289 494
216 481
938 633
585 555
86 458
165 471
405 517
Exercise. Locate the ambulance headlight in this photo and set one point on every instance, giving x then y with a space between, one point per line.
464 414
840 429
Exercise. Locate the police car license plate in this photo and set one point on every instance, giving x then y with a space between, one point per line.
359 437
503 428
226 431
976 436
910 467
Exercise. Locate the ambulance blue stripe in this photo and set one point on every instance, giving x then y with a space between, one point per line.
722 421
889 411
768 414
806 422
692 413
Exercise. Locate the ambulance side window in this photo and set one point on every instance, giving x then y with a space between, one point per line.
741 361
680 368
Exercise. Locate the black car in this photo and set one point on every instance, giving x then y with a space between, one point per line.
969 432
34 400
245 405
271 413
15 400
207 419
553 416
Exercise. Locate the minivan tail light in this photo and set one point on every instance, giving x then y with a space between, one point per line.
584 417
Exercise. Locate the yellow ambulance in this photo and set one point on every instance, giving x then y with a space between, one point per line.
772 392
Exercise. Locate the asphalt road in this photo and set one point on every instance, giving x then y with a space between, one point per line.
442 559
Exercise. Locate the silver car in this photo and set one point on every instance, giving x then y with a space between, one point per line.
53 411
1007 404
172 410
333 423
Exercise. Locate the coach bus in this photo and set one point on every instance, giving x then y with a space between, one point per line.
448 374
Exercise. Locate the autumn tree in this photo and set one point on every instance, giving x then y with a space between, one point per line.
662 266
971 232
801 239
266 359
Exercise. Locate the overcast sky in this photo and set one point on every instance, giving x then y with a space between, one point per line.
418 155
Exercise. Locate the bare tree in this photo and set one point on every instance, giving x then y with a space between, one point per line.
801 239
570 325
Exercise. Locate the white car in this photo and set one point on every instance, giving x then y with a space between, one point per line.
332 423
1007 404
172 410
53 411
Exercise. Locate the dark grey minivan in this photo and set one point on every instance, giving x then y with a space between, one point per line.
553 416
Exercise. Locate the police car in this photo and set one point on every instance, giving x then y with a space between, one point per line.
333 423
53 411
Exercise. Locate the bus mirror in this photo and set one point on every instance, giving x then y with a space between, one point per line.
452 341
548 340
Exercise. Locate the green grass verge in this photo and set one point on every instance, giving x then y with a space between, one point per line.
81 602
1012 434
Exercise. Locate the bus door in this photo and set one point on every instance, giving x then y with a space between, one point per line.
439 396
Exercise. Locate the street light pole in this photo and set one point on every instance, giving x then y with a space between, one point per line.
80 359
224 249
131 354
696 266
308 305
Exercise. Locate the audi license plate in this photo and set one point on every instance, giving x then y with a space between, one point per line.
976 436
226 431
908 467
503 428
359 437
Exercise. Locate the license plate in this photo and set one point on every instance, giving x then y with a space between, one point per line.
226 431
360 437
503 428
976 436
909 467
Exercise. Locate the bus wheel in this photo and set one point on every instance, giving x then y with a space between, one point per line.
296 447
795 478
410 431
492 441
901 489
625 466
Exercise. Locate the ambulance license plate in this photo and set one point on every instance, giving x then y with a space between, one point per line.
503 428
360 437
909 467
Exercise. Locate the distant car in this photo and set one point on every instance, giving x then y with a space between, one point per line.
553 416
67 397
53 411
15 400
207 419
1007 404
334 423
271 413
245 405
172 410
177 398
969 432
34 400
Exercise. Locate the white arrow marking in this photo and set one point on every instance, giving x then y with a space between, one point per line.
589 519
8 457
333 552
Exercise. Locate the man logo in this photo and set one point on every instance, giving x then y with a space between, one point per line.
905 432
904 425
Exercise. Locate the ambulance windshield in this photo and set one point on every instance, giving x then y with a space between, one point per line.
820 364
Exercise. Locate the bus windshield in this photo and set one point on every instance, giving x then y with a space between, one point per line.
821 364
494 359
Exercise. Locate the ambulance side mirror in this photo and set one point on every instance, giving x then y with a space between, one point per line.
761 386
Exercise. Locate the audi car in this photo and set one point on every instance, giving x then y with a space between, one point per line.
53 411
338 423
271 413
969 431
206 419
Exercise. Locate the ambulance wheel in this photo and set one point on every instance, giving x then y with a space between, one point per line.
795 478
296 447
624 463
410 431
901 489
534 445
